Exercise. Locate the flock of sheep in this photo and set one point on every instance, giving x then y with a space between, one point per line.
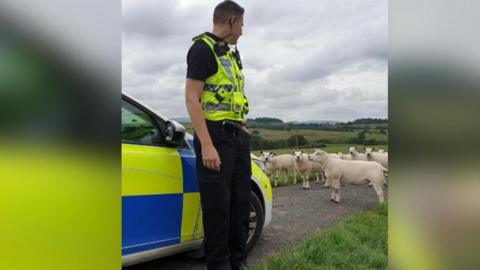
354 168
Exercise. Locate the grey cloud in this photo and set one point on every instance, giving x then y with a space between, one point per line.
160 19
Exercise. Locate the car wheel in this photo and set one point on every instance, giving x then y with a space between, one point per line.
257 219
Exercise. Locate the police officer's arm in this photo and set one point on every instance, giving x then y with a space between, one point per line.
193 90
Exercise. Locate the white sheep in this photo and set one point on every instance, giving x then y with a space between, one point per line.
344 156
281 163
352 172
356 155
304 167
332 155
379 157
317 169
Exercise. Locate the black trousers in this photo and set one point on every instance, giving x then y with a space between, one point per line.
225 197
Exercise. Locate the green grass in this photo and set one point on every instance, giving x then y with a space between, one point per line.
358 242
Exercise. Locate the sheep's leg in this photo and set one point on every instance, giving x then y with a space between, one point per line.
327 183
285 182
332 193
317 180
276 179
307 180
335 185
378 189
294 176
303 181
327 180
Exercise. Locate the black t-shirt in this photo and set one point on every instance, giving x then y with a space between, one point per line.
201 62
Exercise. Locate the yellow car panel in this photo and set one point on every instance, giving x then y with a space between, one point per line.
142 166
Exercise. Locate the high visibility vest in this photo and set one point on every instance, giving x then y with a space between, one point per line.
223 95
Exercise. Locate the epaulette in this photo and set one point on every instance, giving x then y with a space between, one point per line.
198 37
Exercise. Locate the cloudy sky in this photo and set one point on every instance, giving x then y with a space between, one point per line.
303 60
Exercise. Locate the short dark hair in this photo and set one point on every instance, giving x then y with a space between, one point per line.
225 10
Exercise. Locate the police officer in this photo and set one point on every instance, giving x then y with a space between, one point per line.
217 105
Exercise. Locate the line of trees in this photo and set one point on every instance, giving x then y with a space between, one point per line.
259 143
278 124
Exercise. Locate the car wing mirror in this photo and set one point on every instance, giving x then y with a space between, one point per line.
174 132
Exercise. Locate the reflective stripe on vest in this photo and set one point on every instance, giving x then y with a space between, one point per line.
227 66
217 107
221 107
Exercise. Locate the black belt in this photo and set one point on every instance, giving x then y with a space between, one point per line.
227 125
231 124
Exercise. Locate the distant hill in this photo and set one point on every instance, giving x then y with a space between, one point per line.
315 122
265 120
369 121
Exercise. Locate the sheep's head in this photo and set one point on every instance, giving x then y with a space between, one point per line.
266 156
298 155
368 152
318 156
352 150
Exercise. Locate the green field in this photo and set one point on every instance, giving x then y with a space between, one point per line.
310 135
358 242
315 135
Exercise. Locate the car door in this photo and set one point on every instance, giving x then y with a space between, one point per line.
192 227
160 205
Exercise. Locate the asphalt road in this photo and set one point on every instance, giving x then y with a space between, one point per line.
296 213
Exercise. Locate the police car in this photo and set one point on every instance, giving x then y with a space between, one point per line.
161 211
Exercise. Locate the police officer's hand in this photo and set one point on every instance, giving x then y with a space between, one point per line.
210 157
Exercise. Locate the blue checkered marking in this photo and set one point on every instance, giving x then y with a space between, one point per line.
150 221
213 88
190 183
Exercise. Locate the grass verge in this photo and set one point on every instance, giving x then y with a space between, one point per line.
357 242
